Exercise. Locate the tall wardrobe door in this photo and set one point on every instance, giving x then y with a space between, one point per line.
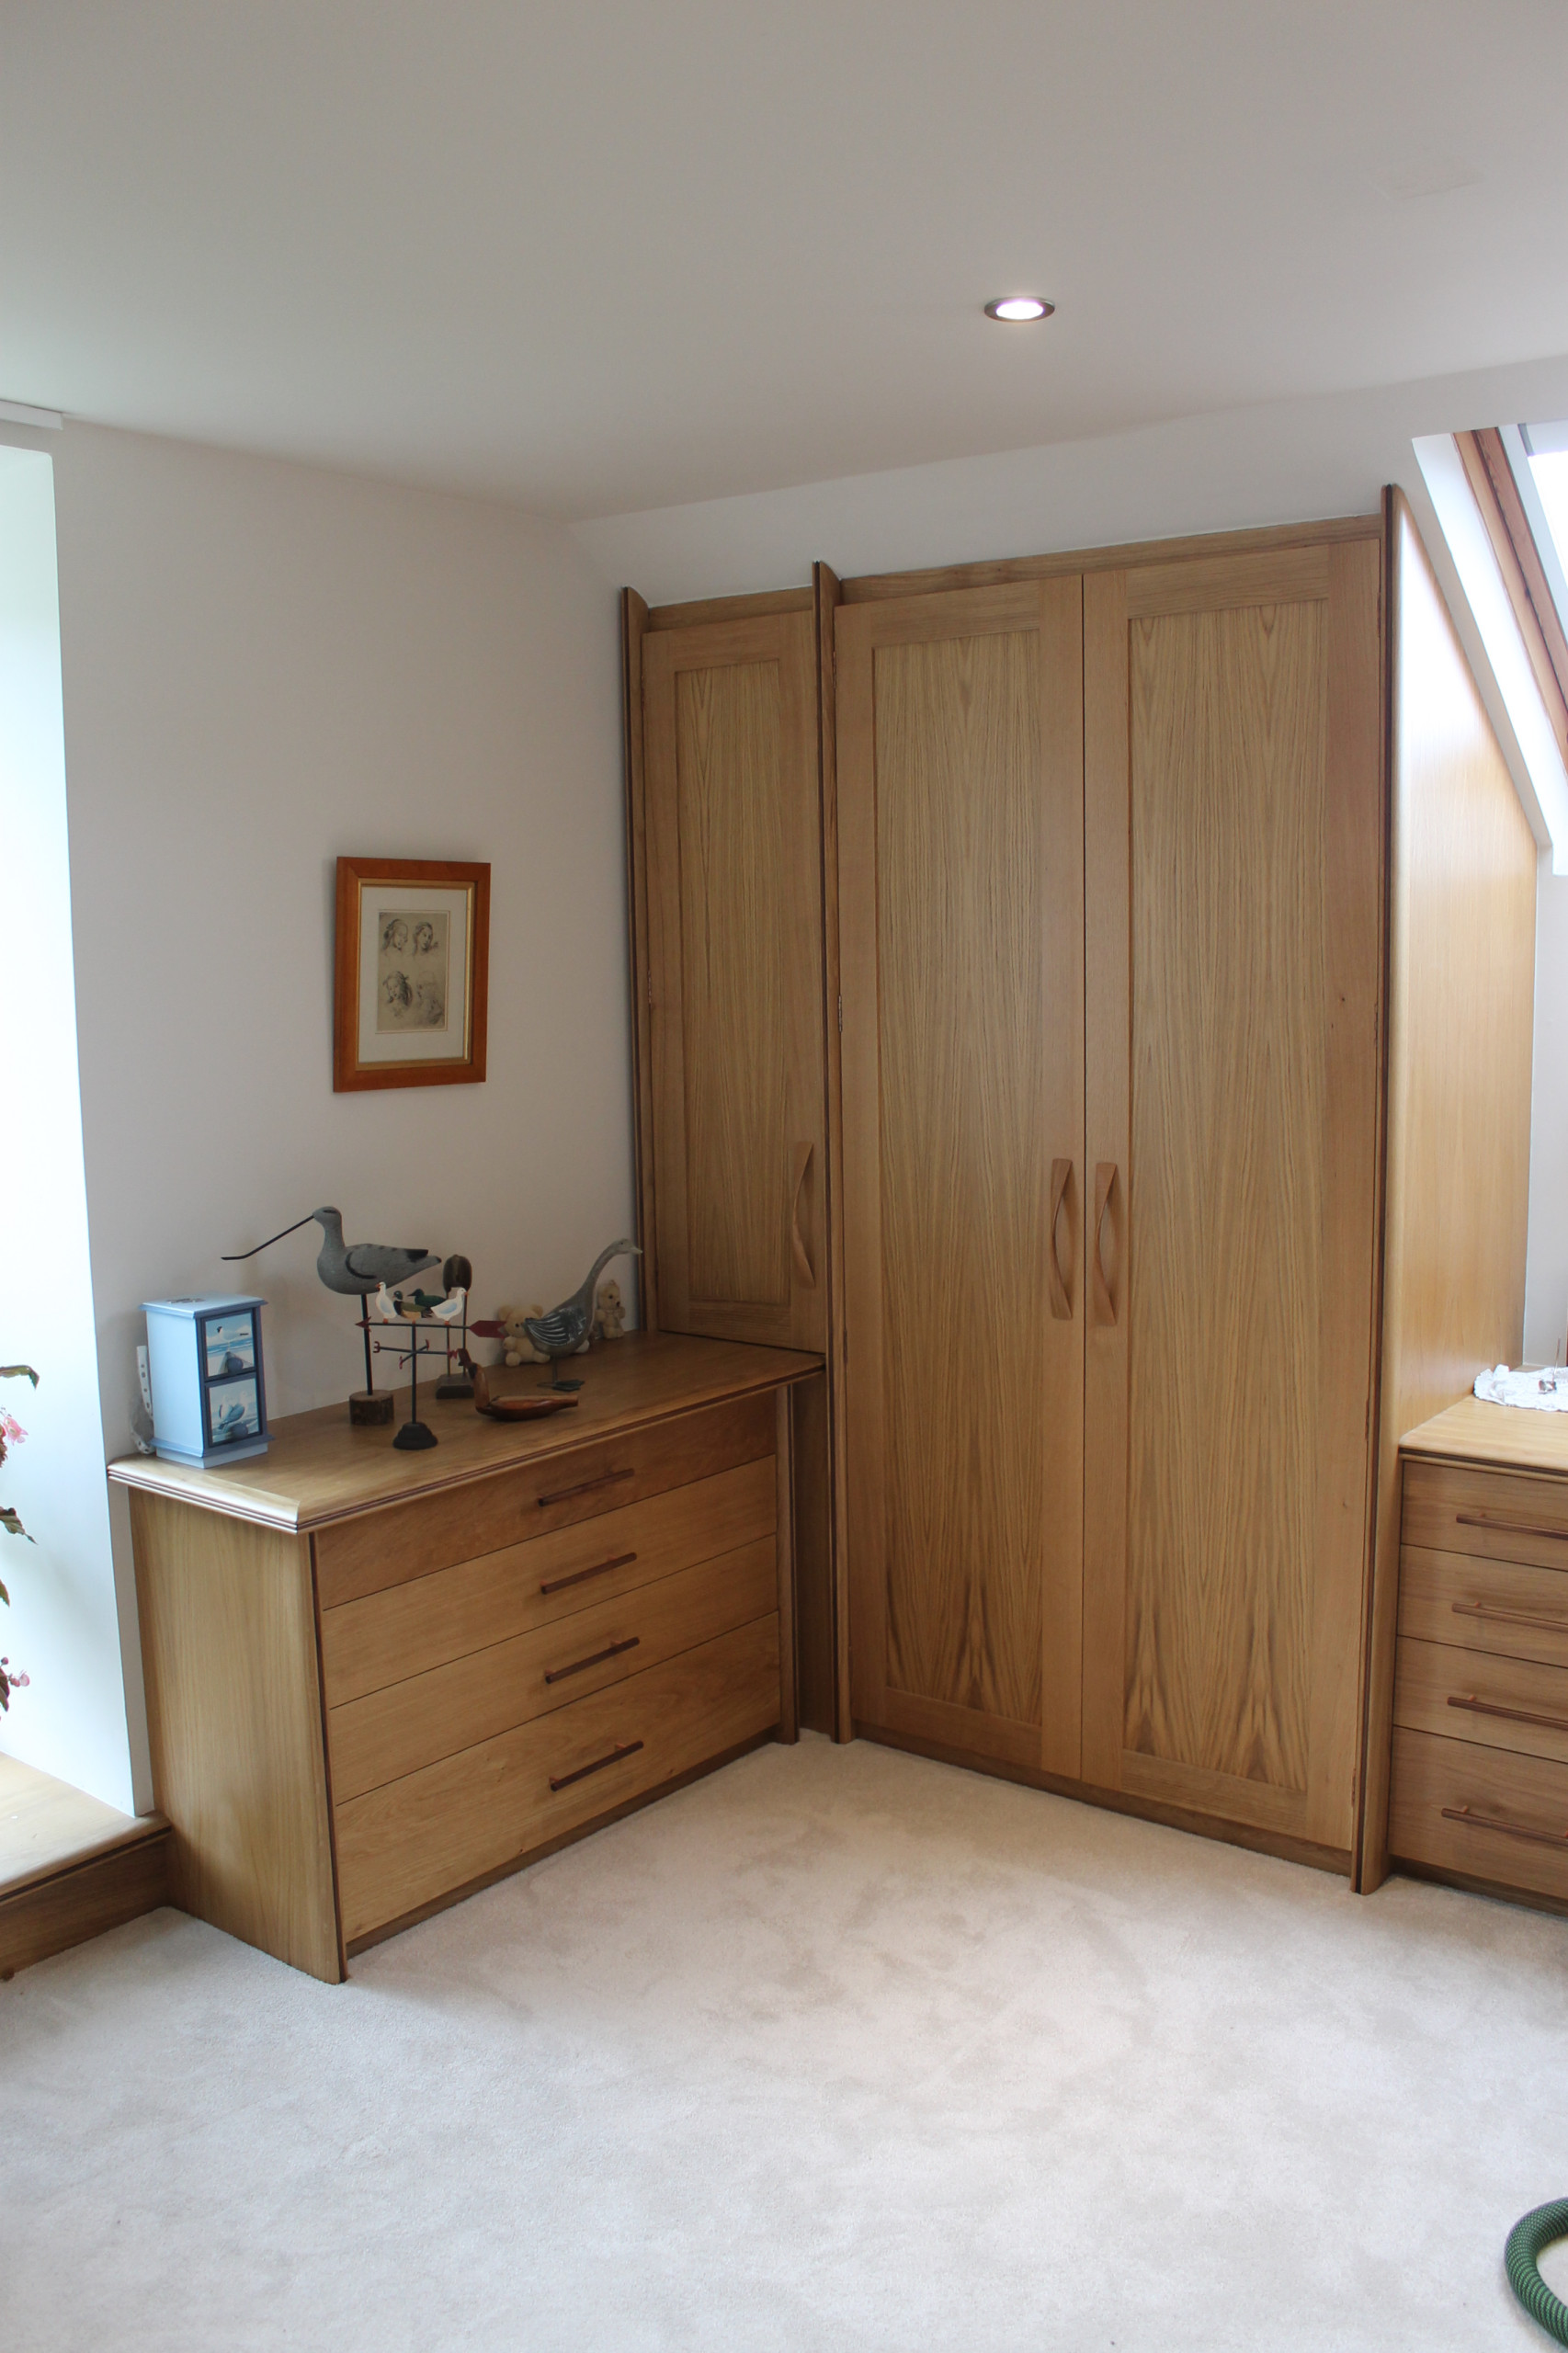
736 977
959 763
1234 850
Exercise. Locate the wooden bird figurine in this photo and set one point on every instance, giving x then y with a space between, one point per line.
562 1332
355 1268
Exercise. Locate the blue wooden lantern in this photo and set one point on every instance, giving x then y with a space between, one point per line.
208 1395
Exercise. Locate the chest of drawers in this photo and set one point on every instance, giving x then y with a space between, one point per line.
1479 1787
377 1681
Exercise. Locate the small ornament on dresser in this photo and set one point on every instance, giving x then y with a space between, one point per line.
562 1332
515 1345
609 1313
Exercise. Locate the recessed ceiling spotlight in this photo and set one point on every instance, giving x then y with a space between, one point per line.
1019 306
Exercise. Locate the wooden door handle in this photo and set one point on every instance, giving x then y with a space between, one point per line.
1060 1298
1510 1715
1105 1186
797 1242
1546 1625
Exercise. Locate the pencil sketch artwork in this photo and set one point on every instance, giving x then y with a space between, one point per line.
412 960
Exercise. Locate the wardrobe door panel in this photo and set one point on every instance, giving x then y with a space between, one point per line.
960 917
1235 829
734 923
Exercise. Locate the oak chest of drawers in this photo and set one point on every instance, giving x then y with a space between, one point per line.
1479 1787
376 1681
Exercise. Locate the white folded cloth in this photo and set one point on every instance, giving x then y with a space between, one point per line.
1543 1388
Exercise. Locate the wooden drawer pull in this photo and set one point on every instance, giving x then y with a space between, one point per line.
1509 1617
559 1674
1513 1716
584 1487
1061 1299
1509 1829
1509 1527
581 1576
804 1266
564 1781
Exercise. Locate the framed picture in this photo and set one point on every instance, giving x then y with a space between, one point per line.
412 973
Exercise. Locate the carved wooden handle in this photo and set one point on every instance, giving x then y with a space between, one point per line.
797 1243
1061 1301
597 1658
1547 1625
1511 1715
1509 1829
1105 1186
583 1487
625 1748
581 1576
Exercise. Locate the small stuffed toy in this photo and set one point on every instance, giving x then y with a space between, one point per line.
515 1345
610 1312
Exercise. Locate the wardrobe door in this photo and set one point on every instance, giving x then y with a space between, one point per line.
959 763
735 978
1234 851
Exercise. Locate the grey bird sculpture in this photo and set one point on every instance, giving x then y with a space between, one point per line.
356 1268
562 1332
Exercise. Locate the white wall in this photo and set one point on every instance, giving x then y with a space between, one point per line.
61 1628
1283 461
266 665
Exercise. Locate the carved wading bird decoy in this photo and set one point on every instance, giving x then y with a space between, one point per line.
356 1268
562 1332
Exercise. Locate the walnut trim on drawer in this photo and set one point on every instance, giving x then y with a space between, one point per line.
435 1832
375 1550
1472 1695
408 1628
1480 1812
407 1725
1495 1515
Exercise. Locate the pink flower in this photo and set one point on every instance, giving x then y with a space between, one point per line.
11 1429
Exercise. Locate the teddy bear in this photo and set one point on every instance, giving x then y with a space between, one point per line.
610 1312
515 1345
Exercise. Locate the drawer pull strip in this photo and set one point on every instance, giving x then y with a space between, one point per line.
584 1487
1509 1617
1509 1829
599 1569
559 1674
1509 1527
1514 1715
625 1748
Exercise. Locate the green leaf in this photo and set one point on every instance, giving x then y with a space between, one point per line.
5 1597
10 1523
19 1372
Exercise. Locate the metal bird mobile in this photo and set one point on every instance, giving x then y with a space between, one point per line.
562 1332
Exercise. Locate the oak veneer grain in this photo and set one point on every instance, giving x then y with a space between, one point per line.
734 956
1464 1808
367 1553
1494 1515
634 625
1232 819
387 1636
1010 570
227 1615
839 1720
1501 1606
68 1906
415 1839
959 793
1460 1694
318 1468
406 1725
1478 1435
1462 1005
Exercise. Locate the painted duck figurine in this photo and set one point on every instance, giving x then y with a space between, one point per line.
562 1332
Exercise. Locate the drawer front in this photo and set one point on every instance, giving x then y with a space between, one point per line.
1493 1513
375 1550
408 1628
1480 1811
415 1840
397 1730
1498 1606
1469 1695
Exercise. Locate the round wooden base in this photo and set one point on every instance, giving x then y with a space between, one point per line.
371 1407
413 1436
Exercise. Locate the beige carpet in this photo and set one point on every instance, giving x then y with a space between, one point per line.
839 2049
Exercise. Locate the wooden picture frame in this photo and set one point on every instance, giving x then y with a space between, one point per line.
411 973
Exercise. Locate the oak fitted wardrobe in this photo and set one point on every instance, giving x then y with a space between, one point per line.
1036 1015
